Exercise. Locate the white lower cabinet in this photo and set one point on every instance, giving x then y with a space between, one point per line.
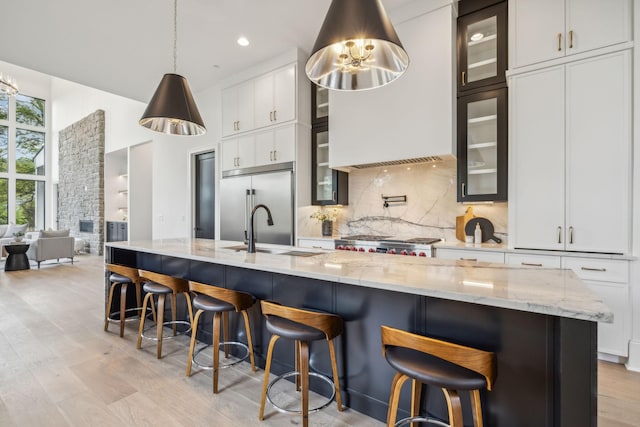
470 255
609 279
533 260
316 243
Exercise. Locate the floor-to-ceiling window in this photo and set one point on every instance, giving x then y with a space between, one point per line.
22 160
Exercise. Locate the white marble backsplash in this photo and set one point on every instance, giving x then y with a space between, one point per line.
430 210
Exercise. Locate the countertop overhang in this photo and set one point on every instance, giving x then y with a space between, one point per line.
556 292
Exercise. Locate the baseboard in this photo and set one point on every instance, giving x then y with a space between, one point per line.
612 358
633 362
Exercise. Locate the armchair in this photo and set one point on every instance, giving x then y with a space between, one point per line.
47 245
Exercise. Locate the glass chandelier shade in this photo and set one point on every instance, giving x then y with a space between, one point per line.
172 109
357 48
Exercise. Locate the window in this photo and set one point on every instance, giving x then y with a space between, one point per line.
23 144
4 201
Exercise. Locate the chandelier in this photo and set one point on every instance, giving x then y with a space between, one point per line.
8 85
354 54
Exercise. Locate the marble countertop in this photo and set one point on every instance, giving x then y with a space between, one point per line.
546 291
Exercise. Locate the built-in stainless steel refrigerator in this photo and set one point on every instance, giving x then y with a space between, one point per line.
240 193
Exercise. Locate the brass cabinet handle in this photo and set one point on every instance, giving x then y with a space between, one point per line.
559 42
463 189
271 156
559 234
571 235
275 115
333 197
462 79
468 259
274 155
270 116
571 39
593 269
530 264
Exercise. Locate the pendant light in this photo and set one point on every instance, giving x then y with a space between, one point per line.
172 109
357 48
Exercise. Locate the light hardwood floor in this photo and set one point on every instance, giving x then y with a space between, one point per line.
59 368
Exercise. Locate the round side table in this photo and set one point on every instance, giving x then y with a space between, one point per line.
17 258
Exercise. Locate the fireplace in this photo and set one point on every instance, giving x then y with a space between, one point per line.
86 226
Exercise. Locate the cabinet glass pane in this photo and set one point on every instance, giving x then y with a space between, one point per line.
482 49
322 102
324 176
482 153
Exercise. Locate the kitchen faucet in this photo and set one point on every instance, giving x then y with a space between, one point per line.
251 246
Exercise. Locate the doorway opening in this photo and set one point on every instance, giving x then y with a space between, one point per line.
205 195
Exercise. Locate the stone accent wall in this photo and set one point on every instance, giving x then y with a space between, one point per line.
81 179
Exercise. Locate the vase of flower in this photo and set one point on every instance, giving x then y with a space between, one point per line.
326 218
327 228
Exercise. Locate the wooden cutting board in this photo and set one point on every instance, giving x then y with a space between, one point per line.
461 221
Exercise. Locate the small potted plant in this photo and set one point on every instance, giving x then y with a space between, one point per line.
18 236
327 218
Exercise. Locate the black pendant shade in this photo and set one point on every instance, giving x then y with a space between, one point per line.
172 109
357 48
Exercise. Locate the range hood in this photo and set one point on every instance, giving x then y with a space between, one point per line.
417 160
411 120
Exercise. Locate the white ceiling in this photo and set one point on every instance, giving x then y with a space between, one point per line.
125 46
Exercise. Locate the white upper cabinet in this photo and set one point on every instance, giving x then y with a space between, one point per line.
570 143
237 109
413 116
238 153
275 97
540 30
276 146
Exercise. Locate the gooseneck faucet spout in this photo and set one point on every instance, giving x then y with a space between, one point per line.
251 246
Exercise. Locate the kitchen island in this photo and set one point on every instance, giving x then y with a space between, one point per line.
540 322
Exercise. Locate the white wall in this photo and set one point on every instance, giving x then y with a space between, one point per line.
633 362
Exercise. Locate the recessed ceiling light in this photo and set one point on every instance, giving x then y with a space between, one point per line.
243 41
474 37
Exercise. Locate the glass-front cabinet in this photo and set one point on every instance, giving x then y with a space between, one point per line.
320 104
482 47
482 146
329 186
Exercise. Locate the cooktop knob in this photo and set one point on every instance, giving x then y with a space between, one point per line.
392 251
422 254
371 250
360 249
404 252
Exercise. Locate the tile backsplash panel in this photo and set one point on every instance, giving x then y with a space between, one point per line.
430 210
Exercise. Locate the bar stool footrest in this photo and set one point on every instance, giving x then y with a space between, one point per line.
114 317
221 345
432 421
167 337
295 373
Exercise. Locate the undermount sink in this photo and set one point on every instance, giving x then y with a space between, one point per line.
274 251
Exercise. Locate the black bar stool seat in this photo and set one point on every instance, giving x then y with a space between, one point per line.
433 370
293 330
206 303
156 288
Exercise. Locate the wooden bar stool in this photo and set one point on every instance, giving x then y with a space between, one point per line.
123 276
302 326
449 366
220 302
163 285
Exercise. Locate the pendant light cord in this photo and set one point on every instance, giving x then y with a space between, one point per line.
175 35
